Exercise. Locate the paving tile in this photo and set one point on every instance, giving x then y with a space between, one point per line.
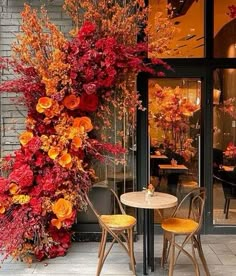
82 259
21 268
220 248
65 269
227 259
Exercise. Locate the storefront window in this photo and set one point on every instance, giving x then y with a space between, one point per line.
224 146
174 128
224 30
187 40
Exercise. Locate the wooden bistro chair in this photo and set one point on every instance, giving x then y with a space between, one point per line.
120 227
187 224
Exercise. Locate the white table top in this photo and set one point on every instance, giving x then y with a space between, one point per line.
140 200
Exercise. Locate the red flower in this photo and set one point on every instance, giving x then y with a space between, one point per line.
36 205
3 185
23 176
90 88
87 29
88 102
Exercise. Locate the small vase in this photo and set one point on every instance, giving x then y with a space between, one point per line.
150 193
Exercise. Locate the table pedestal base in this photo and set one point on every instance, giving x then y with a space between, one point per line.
148 240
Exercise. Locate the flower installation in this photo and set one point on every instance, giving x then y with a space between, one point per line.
230 151
170 111
70 87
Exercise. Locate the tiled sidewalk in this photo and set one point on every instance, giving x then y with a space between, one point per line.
219 250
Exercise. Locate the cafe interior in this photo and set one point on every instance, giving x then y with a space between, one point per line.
185 136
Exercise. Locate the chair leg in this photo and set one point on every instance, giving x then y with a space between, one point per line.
225 206
195 263
164 251
198 244
131 250
101 255
101 242
172 255
227 209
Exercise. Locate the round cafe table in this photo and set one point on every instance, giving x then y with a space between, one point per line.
139 199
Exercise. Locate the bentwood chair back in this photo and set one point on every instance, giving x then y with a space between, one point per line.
118 226
188 225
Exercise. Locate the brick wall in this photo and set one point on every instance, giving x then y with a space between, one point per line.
13 115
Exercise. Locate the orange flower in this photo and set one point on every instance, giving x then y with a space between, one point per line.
13 188
53 152
71 102
77 142
83 122
62 208
57 223
25 137
2 208
150 187
65 159
45 102
39 109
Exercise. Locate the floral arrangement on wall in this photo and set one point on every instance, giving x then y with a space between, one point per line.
70 87
170 111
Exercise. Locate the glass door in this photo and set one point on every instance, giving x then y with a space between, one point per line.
224 147
174 135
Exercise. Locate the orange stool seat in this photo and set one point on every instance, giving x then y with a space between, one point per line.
118 221
179 225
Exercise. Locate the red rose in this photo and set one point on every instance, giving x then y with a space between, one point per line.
90 88
88 102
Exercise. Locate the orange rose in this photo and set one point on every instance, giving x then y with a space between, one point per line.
53 152
39 108
45 102
13 188
77 142
65 159
83 122
62 208
25 137
2 208
71 102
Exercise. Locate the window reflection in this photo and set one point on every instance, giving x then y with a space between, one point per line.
224 147
174 127
224 30
188 40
